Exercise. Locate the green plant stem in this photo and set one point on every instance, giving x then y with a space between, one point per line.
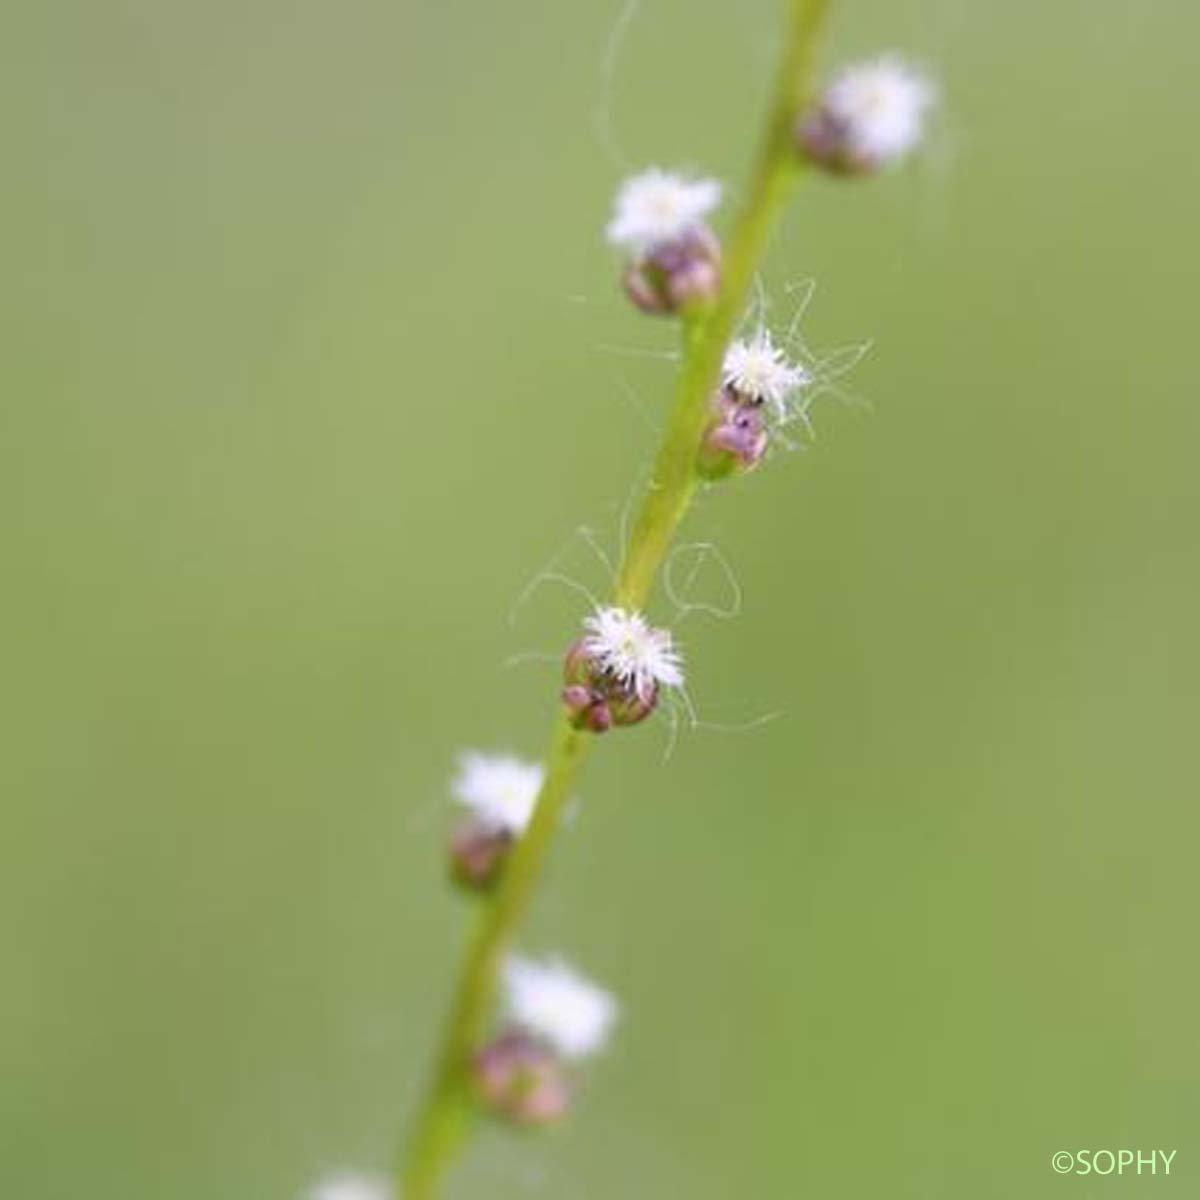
445 1115
674 480
447 1110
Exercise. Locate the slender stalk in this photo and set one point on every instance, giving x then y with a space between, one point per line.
674 480
445 1116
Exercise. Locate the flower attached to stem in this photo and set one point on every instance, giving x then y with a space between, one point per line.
757 379
757 372
736 438
674 257
554 1003
500 793
613 674
871 116
555 1016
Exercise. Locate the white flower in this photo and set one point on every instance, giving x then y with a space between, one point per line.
879 108
500 790
552 1001
657 207
628 648
759 371
351 1187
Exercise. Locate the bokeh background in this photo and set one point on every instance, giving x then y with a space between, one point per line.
314 357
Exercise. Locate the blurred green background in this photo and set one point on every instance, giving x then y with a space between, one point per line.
314 356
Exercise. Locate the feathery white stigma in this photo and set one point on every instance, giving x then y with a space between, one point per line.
500 790
758 370
880 108
553 1002
658 207
351 1187
626 646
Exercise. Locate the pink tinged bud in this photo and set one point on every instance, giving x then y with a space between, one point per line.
577 698
599 717
597 701
578 670
870 116
584 702
628 708
736 438
827 142
693 286
645 290
521 1079
478 853
678 275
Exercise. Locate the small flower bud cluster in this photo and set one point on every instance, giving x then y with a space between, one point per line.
614 673
870 117
736 439
674 257
554 1017
757 382
500 793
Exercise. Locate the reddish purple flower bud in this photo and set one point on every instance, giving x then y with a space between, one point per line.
824 140
521 1079
500 793
627 707
693 285
599 717
871 116
644 289
596 699
659 221
677 275
736 438
578 698
478 853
